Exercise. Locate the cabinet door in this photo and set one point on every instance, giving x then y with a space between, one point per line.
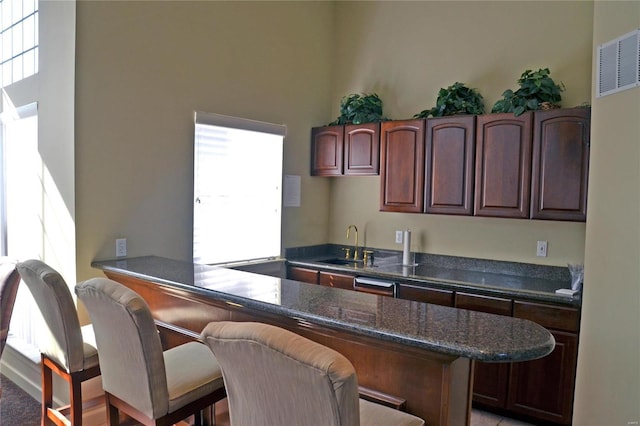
503 165
418 293
402 166
326 150
544 387
332 279
362 149
450 148
560 164
490 380
302 274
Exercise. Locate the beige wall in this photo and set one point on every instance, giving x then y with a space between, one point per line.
407 51
144 67
608 384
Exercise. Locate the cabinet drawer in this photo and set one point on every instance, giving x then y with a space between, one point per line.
331 279
426 295
548 316
302 274
491 305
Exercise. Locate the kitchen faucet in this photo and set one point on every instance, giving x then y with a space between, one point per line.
355 249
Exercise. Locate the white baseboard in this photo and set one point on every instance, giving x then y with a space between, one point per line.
22 367
22 371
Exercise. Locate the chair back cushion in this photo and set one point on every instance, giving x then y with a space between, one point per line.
52 295
276 377
9 281
131 358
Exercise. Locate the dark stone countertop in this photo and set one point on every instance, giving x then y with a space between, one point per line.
493 278
458 332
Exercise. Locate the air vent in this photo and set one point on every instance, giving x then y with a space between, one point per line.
619 64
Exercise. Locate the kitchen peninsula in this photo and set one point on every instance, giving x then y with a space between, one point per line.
420 354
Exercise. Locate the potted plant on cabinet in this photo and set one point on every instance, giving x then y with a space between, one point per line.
360 108
455 99
537 91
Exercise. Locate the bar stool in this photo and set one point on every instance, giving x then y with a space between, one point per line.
139 379
275 377
70 350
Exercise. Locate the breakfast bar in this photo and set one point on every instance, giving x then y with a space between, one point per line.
417 353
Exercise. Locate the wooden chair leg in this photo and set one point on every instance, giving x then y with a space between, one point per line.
75 400
47 393
113 417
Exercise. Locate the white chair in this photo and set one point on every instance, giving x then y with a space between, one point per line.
70 350
139 379
275 377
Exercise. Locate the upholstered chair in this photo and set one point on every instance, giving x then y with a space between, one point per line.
69 351
9 281
275 377
139 379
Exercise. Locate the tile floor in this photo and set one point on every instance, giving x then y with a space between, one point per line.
485 418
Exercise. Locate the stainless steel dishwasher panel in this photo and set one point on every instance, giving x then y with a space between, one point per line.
375 286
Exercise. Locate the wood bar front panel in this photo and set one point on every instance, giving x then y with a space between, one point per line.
436 387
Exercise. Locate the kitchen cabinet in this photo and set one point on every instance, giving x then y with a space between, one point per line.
352 149
490 380
362 149
332 279
560 164
541 389
402 166
503 165
424 294
327 150
544 387
304 275
449 160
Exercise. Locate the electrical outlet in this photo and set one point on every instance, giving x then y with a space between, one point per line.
121 247
398 237
541 250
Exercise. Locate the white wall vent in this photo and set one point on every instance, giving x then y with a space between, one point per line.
619 64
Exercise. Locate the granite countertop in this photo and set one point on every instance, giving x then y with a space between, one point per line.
458 332
497 278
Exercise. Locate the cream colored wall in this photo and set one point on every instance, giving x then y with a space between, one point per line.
608 378
144 67
407 51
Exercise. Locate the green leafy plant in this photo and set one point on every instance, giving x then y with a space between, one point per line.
455 99
537 90
360 108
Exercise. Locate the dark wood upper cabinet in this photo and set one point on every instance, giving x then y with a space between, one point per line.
503 165
362 149
560 164
402 166
449 159
353 149
326 150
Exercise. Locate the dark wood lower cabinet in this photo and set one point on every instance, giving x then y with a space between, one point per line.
539 390
303 274
423 294
544 388
331 279
490 380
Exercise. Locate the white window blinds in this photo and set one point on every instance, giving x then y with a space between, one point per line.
237 189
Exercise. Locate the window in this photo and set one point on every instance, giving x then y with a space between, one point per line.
237 189
21 165
20 211
19 40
